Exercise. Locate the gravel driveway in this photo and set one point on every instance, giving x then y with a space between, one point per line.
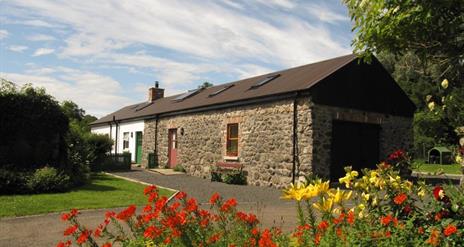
47 230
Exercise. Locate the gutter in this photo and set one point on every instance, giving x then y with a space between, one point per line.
116 135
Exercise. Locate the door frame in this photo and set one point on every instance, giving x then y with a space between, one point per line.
172 147
138 159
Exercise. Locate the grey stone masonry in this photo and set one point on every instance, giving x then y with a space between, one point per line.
265 146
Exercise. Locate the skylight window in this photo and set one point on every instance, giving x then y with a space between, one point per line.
188 94
265 80
221 90
143 106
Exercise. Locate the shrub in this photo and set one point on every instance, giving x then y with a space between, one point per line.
179 168
235 178
12 182
48 179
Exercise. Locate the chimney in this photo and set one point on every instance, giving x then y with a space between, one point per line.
155 93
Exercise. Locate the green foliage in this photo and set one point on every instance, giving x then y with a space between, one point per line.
114 162
33 129
48 179
235 178
12 182
428 28
179 168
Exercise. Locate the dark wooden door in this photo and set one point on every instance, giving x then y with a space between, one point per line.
353 144
172 148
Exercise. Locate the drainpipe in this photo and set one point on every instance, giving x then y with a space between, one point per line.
155 151
295 136
111 133
116 137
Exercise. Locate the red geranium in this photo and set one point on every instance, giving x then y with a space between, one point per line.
450 229
70 230
399 199
126 213
214 198
83 237
181 195
438 193
149 189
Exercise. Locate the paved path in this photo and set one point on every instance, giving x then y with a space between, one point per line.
263 201
47 230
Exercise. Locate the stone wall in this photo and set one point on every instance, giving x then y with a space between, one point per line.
395 132
265 140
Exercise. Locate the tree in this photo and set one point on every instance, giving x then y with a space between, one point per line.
205 85
433 30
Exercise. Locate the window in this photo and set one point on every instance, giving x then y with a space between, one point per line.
265 80
188 94
232 140
221 90
125 140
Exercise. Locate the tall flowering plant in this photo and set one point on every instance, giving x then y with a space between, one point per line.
181 222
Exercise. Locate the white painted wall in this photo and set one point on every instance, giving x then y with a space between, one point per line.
129 127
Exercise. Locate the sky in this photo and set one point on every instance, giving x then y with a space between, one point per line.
105 54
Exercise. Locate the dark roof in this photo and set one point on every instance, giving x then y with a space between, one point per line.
289 80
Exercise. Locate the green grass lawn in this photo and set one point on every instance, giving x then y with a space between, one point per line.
433 168
103 192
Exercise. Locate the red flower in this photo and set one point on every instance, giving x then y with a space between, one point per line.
149 189
229 204
204 223
66 244
214 238
438 193
396 155
70 230
350 217
167 240
191 205
450 229
159 205
181 195
97 232
407 209
388 234
126 213
107 245
323 225
421 230
254 231
83 237
147 208
65 217
214 198
399 199
252 219
152 232
109 214
386 220
434 238
266 239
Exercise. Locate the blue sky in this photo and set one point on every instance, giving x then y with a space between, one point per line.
105 54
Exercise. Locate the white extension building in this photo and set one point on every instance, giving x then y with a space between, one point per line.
127 137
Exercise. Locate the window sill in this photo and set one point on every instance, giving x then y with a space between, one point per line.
234 158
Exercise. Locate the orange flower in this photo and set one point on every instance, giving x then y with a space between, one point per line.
350 217
149 189
434 239
126 213
323 225
83 237
399 199
449 230
214 198
70 230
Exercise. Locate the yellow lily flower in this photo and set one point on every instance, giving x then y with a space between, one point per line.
324 206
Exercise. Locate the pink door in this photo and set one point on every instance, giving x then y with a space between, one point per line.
172 148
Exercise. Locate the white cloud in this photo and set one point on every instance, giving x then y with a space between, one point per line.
37 23
326 14
3 34
40 37
17 48
97 94
43 51
207 30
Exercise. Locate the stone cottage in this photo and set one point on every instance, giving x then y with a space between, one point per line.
316 118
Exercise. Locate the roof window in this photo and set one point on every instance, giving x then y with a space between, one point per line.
188 94
221 90
265 80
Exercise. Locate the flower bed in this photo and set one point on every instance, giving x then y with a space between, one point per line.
388 211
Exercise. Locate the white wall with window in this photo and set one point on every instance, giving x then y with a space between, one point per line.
126 135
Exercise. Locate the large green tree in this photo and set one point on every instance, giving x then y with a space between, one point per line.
421 43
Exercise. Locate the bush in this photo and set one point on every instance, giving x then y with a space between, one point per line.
235 178
12 182
48 179
114 162
99 147
179 168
